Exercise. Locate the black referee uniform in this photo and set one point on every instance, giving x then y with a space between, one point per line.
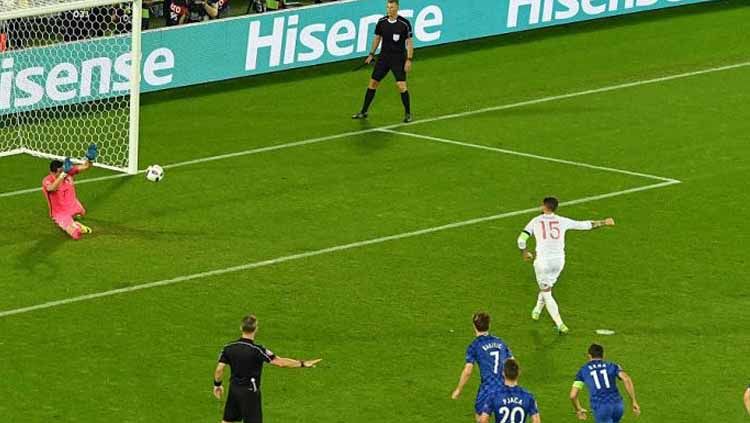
245 359
393 56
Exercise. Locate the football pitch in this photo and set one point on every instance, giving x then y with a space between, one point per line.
370 244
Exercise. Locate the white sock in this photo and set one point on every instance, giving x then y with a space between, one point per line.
539 303
552 309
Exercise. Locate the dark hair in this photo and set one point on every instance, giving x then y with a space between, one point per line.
511 369
481 321
54 165
394 1
596 351
249 323
551 203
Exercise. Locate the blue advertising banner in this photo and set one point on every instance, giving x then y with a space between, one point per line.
256 44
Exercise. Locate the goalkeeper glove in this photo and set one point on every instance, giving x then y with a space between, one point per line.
92 152
67 165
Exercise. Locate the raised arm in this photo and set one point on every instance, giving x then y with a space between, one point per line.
630 389
211 9
293 363
465 375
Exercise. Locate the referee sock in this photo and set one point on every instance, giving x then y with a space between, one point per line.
369 96
552 309
407 102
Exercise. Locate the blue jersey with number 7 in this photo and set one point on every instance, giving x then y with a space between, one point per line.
490 353
601 378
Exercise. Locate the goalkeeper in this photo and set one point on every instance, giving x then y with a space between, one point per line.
59 190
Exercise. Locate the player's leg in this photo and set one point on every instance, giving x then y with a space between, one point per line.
67 224
548 271
232 409
618 410
380 71
397 67
539 306
483 404
77 215
604 414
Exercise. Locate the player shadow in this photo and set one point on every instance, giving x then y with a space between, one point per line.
120 230
372 142
545 341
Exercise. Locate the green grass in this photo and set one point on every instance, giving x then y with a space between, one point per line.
392 320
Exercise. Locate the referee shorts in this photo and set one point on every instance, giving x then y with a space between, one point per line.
243 405
387 64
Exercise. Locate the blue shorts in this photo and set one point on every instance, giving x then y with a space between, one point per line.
608 412
483 403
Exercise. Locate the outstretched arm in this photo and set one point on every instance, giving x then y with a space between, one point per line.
294 364
465 375
630 388
595 224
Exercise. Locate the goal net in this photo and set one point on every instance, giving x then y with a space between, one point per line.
66 79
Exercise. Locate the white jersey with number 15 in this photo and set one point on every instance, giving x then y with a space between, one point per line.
549 231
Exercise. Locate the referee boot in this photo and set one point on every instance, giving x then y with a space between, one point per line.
360 115
407 118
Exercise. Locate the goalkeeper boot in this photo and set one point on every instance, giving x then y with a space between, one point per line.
407 118
85 229
360 115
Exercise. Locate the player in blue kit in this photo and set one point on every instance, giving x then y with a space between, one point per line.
512 404
490 353
601 378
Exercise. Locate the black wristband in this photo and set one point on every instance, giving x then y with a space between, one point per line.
217 384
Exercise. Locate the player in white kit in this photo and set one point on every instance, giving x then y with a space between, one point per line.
549 231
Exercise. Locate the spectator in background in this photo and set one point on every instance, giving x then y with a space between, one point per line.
178 12
3 36
204 10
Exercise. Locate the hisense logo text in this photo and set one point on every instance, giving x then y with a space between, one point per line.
342 38
540 11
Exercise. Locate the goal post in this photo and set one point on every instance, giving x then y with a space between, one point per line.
70 77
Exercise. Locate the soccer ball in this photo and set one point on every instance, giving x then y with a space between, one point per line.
154 173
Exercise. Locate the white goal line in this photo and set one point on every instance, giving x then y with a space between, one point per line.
417 122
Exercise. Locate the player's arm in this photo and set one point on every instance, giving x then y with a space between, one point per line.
596 224
462 380
536 418
747 399
484 418
291 363
211 9
91 153
56 184
374 49
218 377
580 411
630 389
522 242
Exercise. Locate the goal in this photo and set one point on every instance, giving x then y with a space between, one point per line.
67 79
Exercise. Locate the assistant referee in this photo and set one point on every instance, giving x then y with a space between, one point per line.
396 55
245 359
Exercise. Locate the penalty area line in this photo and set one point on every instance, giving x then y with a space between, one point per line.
314 253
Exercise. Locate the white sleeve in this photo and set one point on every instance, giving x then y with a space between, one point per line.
529 228
577 225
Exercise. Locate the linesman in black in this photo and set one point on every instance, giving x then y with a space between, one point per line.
245 359
396 55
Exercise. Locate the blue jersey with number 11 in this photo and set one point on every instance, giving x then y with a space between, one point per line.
601 378
489 352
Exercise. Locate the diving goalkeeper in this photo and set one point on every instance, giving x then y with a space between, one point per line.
59 190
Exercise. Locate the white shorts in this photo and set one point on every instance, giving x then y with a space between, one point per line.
548 270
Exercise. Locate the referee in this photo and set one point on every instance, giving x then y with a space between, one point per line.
246 358
396 56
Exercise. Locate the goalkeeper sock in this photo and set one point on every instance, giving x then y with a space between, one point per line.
369 96
552 309
407 102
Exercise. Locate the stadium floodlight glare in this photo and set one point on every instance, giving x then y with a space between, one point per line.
61 88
